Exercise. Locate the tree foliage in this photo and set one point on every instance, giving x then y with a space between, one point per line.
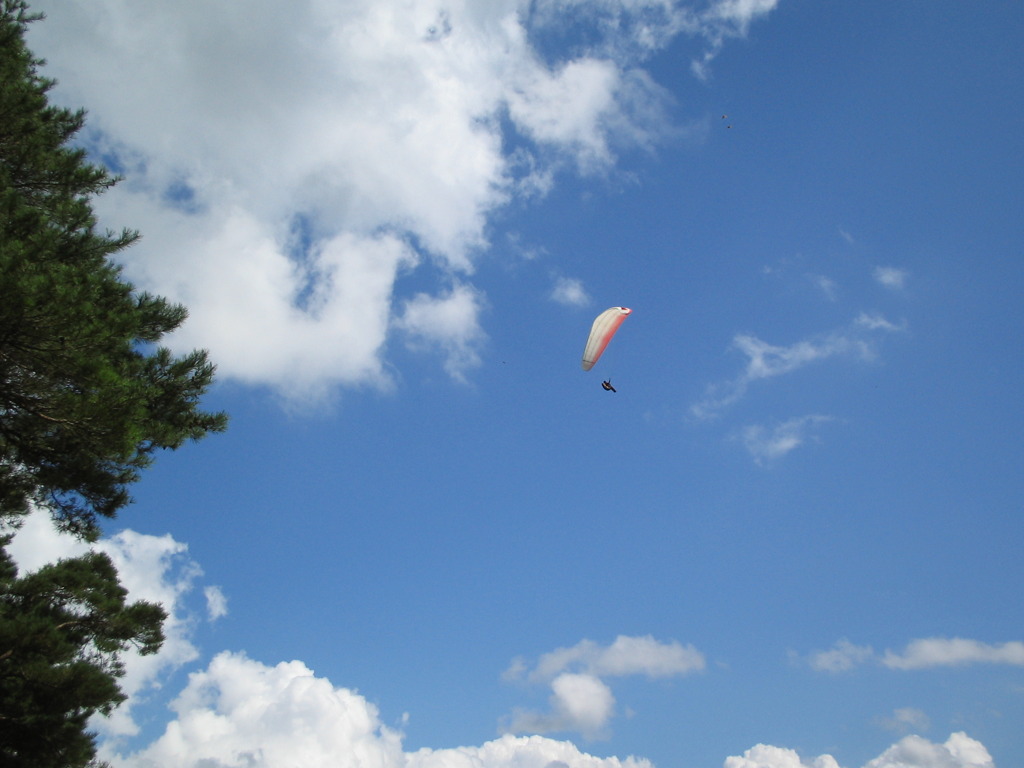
63 629
86 396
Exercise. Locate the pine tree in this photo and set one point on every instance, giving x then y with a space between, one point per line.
63 629
86 395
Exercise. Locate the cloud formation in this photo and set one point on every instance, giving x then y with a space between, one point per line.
954 652
919 654
570 291
579 703
216 602
906 719
891 277
309 162
240 713
843 656
767 361
766 444
959 751
580 700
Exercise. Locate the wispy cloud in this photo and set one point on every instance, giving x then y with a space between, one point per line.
875 321
891 277
828 287
581 700
951 652
721 20
766 444
842 657
905 720
923 653
767 361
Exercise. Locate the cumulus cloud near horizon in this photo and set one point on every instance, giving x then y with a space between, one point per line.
958 751
238 712
581 701
288 172
241 713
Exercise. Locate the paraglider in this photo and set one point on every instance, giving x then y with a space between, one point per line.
604 327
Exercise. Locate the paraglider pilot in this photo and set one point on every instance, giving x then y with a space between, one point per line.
607 386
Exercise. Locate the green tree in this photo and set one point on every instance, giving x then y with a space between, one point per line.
62 631
87 398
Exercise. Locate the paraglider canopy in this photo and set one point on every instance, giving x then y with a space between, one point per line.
605 326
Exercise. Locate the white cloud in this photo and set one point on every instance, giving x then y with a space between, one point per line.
152 568
37 542
449 323
216 603
906 719
570 291
948 652
923 653
288 170
581 701
768 756
723 19
828 287
843 656
627 655
767 361
767 444
241 713
891 277
569 108
875 321
959 751
159 570
522 752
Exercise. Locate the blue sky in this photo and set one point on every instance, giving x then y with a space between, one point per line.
790 538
